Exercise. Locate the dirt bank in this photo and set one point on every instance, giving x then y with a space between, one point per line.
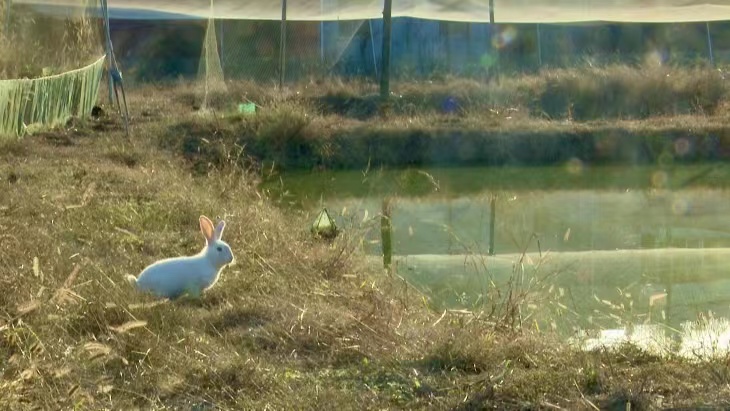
307 146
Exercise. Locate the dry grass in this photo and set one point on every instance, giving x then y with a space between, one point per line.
36 45
612 114
296 324
616 92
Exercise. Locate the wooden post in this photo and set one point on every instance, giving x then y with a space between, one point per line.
492 218
386 232
385 59
282 46
709 43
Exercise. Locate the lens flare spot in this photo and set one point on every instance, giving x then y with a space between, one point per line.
659 179
488 60
450 105
655 58
666 158
574 166
680 206
681 146
505 37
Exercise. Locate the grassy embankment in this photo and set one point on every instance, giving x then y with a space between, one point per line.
598 115
295 324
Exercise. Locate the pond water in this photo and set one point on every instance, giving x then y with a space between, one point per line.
607 249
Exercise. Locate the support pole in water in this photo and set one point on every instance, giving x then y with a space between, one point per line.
386 232
282 46
709 43
668 311
492 218
385 58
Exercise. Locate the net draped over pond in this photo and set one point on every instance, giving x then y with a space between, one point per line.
505 11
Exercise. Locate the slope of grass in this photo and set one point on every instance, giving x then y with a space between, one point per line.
581 93
294 324
615 114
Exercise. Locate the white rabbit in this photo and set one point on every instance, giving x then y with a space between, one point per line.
173 277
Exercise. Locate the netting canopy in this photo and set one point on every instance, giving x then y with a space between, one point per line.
50 65
505 11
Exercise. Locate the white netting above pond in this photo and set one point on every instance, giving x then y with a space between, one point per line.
505 11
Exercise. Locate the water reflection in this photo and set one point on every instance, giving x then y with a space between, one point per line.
619 249
697 340
566 220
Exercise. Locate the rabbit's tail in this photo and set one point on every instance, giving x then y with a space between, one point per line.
132 280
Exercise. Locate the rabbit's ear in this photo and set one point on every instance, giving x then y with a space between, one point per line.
219 229
206 227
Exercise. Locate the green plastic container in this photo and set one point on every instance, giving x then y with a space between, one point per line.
247 108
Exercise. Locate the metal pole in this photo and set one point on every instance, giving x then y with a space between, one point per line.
114 74
492 32
385 59
108 46
709 43
321 34
282 48
492 222
539 47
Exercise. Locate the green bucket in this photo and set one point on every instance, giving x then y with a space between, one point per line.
247 108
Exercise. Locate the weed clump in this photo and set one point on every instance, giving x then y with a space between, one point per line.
627 93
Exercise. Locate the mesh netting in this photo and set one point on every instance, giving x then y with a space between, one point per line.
210 71
250 49
50 65
505 11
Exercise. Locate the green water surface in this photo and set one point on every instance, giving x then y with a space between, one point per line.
441 218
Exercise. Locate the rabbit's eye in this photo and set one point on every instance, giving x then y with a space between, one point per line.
220 249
